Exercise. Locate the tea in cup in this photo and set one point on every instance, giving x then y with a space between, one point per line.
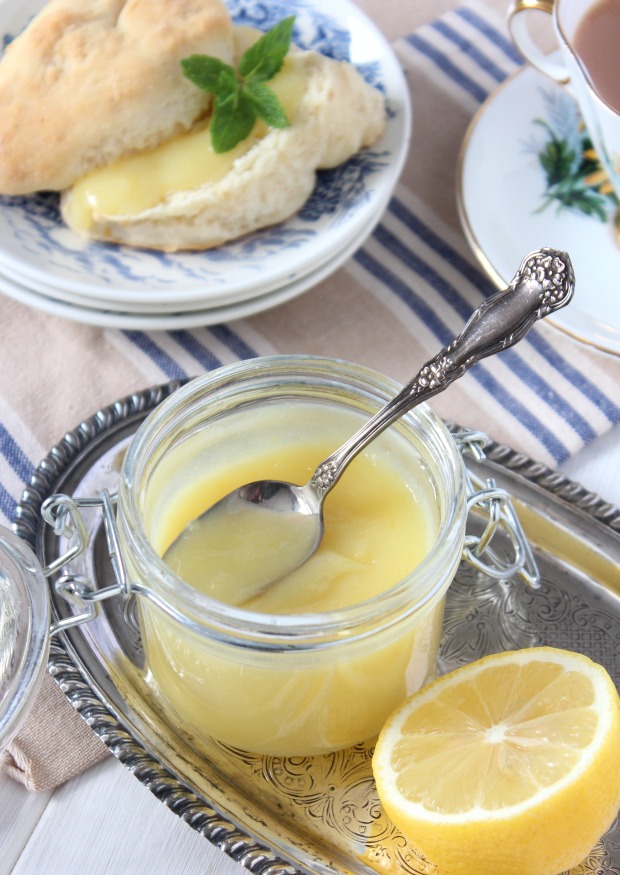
588 64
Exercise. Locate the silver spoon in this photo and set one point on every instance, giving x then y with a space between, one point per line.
261 517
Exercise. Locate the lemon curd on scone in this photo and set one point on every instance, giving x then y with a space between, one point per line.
184 194
138 155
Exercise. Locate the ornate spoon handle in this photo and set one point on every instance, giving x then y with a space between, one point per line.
544 283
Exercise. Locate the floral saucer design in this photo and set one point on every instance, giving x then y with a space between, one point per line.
35 242
574 176
528 177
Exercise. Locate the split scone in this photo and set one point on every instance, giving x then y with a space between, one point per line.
90 80
185 196
114 125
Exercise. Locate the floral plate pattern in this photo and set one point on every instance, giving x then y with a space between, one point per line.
345 201
170 316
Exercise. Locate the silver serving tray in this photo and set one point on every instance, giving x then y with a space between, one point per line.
280 816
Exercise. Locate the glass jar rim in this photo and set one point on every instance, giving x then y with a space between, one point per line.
199 611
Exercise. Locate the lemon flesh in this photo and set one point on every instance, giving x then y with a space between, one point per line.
507 766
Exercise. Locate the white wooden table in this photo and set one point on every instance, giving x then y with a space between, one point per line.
105 822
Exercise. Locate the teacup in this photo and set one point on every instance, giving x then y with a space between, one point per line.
580 37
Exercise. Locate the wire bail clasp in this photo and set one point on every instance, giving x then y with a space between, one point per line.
63 514
486 498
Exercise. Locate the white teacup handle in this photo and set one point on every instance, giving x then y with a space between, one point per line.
518 26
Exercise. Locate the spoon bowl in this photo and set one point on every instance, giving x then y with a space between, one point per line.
252 537
263 531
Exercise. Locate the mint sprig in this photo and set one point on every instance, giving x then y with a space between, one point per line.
242 96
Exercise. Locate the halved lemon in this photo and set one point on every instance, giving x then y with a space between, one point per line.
507 766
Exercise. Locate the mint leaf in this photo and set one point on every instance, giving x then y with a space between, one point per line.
265 58
233 120
239 103
210 74
266 104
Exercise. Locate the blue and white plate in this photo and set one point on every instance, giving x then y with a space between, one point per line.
169 317
29 290
346 204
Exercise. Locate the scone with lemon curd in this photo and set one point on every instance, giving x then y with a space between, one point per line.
90 80
183 195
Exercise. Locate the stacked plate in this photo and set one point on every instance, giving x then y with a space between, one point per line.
46 265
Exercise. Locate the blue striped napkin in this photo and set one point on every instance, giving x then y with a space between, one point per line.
391 307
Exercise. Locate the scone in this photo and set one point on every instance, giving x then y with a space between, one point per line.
266 179
91 80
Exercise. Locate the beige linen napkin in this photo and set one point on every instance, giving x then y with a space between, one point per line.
53 745
391 307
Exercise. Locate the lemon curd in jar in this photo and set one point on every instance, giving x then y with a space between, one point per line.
319 660
379 524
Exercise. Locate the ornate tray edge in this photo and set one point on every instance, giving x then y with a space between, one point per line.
556 483
181 799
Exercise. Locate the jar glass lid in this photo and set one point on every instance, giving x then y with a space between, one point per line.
24 632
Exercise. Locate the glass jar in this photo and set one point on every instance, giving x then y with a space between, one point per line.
298 683
287 684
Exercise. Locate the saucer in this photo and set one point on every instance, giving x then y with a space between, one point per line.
515 166
35 243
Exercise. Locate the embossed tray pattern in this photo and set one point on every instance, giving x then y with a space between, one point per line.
280 816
